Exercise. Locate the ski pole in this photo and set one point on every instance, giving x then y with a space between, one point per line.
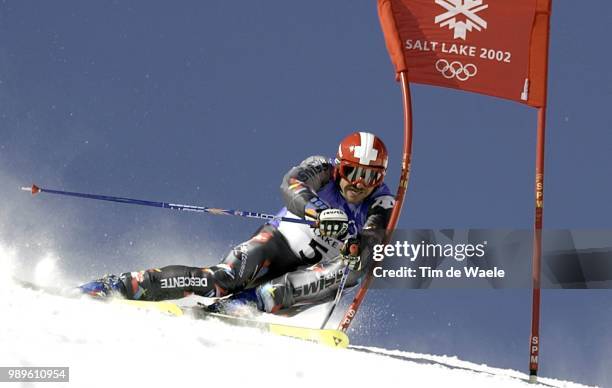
352 251
338 295
166 205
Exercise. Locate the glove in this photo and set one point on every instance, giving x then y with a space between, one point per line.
332 223
351 253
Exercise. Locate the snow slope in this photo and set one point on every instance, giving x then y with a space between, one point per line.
119 346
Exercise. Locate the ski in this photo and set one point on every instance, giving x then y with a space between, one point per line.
162 306
328 337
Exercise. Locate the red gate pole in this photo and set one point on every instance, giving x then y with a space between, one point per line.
534 341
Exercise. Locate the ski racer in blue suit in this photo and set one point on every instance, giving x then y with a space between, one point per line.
285 264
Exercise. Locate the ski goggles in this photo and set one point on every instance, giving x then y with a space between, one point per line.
355 173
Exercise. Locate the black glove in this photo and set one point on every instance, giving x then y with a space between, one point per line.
332 223
351 253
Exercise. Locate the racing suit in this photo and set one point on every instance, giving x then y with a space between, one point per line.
284 259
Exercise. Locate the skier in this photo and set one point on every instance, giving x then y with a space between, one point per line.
286 264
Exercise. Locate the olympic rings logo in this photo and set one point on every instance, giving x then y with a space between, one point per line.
456 69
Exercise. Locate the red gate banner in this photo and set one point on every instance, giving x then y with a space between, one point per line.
493 47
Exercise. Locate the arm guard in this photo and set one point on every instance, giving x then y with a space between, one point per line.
301 183
375 227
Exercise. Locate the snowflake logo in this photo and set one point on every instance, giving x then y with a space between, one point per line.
467 8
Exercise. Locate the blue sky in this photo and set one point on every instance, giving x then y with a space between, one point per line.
211 102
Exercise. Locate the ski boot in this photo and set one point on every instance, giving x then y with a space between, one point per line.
267 298
107 287
242 304
270 297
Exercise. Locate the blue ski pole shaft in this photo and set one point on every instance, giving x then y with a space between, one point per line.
166 205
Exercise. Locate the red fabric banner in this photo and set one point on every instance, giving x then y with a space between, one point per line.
493 47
